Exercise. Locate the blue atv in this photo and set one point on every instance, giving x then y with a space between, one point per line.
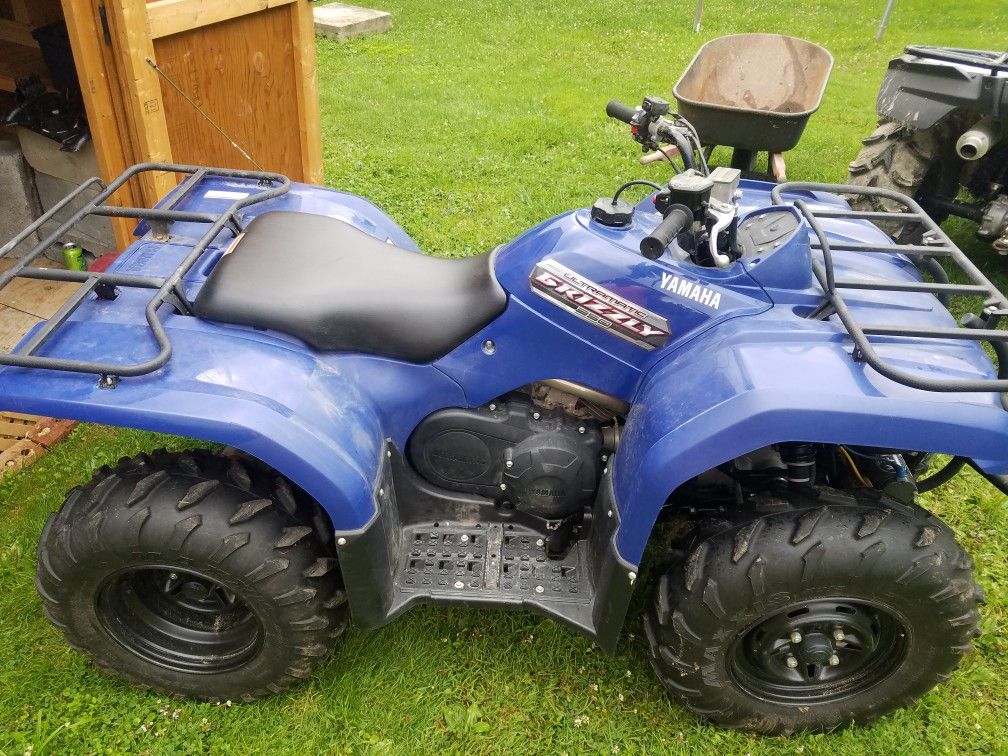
744 380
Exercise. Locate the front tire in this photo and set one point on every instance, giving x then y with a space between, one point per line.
192 574
812 614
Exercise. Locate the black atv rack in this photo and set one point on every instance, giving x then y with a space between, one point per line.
994 61
936 244
167 290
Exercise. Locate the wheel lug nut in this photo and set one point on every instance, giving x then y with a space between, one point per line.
795 637
838 634
834 660
791 662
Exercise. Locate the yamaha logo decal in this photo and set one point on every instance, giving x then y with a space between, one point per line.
599 306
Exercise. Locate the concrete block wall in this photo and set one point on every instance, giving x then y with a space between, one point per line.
19 204
56 175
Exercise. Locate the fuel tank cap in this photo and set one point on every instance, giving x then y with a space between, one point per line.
616 214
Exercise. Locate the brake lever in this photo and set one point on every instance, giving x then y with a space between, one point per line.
723 214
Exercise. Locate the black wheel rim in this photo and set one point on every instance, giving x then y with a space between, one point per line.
179 619
819 651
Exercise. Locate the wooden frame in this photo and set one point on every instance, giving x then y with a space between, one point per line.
250 64
169 17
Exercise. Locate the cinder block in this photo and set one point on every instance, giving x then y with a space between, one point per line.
20 204
342 22
44 155
93 233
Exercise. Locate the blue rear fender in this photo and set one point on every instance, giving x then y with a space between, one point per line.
742 390
321 419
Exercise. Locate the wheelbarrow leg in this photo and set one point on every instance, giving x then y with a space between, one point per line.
777 167
744 160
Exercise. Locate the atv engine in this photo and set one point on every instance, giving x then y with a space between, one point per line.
544 462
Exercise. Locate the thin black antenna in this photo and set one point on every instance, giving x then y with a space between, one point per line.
203 113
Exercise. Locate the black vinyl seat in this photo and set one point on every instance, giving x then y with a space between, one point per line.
338 288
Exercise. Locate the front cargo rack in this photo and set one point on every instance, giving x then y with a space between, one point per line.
103 285
935 244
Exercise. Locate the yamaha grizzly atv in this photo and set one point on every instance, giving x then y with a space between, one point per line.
943 121
756 364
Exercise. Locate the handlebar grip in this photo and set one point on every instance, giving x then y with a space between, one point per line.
619 111
653 246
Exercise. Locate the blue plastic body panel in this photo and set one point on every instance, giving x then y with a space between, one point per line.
732 378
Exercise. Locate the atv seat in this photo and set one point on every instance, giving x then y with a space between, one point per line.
338 288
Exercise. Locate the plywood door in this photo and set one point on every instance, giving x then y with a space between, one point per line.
255 76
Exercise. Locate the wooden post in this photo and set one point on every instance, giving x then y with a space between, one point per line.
113 152
305 68
132 44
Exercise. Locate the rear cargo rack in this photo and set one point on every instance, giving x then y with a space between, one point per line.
936 244
167 290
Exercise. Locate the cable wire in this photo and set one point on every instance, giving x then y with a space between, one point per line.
203 113
854 468
635 182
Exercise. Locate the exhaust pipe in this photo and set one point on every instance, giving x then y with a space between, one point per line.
975 143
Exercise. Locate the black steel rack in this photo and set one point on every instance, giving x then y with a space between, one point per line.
167 290
981 327
994 61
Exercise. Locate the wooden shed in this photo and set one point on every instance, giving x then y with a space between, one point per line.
248 64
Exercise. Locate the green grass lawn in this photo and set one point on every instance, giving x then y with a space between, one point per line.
470 122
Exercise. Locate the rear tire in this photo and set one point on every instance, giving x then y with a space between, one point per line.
193 574
813 614
919 163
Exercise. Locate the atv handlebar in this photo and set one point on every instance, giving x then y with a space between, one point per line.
619 111
649 127
676 219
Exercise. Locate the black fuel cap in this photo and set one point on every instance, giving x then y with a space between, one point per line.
615 214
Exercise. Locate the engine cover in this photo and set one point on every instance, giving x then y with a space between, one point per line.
547 467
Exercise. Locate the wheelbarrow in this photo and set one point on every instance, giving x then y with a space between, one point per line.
753 93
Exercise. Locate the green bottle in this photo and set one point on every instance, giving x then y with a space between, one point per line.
73 256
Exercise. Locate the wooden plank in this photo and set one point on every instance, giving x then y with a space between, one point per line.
18 61
35 13
20 416
14 324
141 93
20 454
100 101
242 73
39 298
169 17
18 33
14 429
306 88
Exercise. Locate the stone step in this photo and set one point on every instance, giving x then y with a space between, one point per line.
342 22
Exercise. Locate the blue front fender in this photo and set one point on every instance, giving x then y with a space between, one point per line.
736 393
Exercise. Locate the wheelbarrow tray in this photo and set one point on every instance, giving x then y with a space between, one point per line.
753 91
